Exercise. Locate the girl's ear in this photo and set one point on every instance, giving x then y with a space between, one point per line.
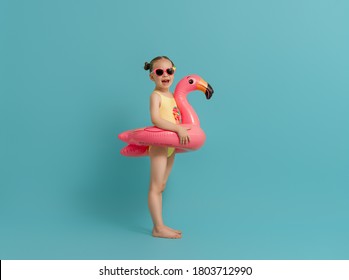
151 77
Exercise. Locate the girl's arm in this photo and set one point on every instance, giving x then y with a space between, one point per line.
159 122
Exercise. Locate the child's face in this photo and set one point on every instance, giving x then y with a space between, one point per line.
165 81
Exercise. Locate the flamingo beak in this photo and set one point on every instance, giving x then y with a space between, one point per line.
206 88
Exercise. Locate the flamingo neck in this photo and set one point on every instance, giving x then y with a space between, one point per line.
187 112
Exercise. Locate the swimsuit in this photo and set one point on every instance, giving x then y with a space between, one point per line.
169 111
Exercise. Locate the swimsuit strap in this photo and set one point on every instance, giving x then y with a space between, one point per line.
158 93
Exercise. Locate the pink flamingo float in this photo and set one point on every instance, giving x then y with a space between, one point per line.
140 139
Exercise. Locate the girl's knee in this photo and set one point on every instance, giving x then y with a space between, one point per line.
163 186
157 188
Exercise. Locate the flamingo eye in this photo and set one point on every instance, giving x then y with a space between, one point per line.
191 81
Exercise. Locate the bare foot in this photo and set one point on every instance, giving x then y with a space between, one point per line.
175 230
165 232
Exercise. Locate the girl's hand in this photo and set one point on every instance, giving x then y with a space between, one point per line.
183 135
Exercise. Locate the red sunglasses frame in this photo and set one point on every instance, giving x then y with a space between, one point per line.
165 70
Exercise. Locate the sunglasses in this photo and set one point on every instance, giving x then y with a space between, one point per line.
159 71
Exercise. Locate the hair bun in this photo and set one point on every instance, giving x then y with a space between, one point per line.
146 66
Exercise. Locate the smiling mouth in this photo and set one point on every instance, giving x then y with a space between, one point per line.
165 81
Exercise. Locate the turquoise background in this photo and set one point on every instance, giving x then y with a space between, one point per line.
271 181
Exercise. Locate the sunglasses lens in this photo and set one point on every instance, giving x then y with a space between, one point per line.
170 71
159 72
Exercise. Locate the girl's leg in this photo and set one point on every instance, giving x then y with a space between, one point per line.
170 162
160 168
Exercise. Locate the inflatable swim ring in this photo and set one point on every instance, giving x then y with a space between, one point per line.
141 138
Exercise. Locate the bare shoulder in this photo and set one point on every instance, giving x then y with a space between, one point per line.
155 97
155 93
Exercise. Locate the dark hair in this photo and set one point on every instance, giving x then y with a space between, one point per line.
149 66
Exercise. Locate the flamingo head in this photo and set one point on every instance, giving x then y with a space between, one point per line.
191 83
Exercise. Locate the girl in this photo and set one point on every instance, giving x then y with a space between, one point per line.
165 115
